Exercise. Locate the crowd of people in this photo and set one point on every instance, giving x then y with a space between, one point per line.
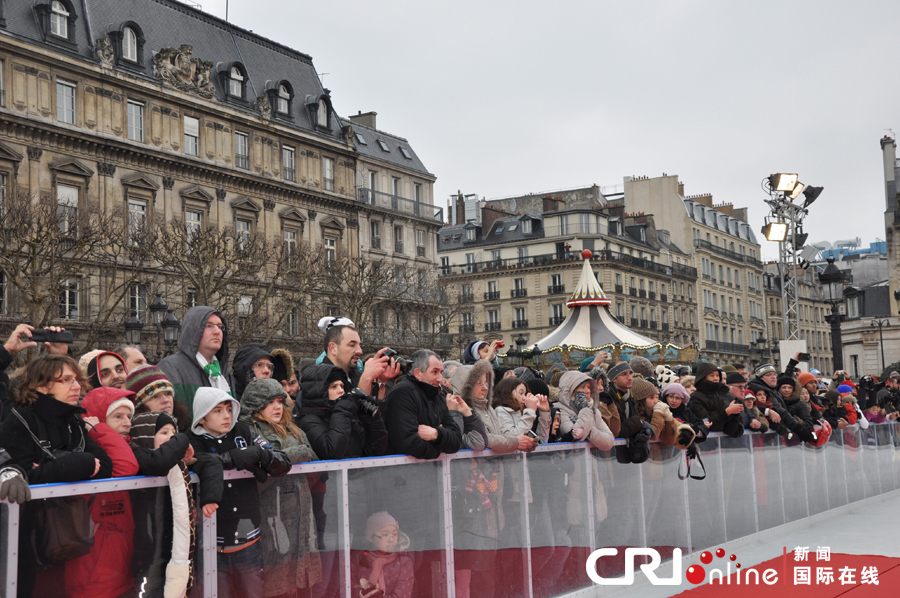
112 414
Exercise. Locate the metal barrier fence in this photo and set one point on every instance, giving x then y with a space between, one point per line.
520 525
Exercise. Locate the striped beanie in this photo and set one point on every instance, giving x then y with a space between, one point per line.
145 382
144 427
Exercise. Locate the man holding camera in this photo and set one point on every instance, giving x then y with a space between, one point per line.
418 420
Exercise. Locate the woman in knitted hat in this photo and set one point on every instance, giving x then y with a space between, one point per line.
385 571
789 389
285 503
165 535
153 391
676 397
751 417
654 411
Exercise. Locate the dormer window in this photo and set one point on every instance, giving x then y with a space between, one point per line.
284 99
129 45
322 114
59 19
236 83
319 109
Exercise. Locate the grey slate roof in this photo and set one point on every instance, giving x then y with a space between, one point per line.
448 241
167 23
394 155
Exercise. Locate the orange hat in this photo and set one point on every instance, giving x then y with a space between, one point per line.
805 378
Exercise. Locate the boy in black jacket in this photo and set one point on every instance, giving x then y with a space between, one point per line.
220 440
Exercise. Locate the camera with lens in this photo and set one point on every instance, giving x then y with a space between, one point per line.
366 403
401 361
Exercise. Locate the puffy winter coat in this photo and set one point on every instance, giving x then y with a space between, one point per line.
709 402
337 429
412 403
463 380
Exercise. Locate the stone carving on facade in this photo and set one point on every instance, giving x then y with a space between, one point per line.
106 168
269 205
177 67
221 193
312 214
168 182
347 130
35 153
264 107
103 51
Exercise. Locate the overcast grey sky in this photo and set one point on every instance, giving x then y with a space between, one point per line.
510 97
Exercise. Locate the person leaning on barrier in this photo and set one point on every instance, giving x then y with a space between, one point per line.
418 421
518 410
714 404
621 379
799 411
676 397
751 418
475 385
584 410
339 424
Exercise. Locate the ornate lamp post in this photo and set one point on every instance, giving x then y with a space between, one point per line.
520 346
832 281
171 328
133 328
881 324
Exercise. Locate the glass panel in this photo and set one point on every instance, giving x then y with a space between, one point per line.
623 525
398 510
300 534
769 500
559 518
853 464
793 479
870 461
705 497
895 440
738 482
836 473
883 433
4 544
664 501
816 478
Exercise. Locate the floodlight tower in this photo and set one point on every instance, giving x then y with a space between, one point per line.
785 225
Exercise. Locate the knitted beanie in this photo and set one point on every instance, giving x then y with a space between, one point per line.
749 395
677 390
845 389
641 365
729 369
145 382
144 427
764 369
735 378
377 522
783 380
641 389
618 369
805 378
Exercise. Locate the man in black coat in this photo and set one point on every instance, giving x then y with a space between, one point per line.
418 421
714 404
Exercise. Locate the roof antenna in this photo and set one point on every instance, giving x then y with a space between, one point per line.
322 78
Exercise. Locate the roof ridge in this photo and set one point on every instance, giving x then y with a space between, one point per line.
353 123
236 30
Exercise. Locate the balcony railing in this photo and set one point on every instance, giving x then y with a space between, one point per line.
394 337
399 204
651 294
643 323
518 293
398 246
642 294
466 328
519 324
492 326
663 298
420 251
632 291
492 296
557 320
634 322
619 288
556 289
665 327
376 242
727 253
722 347
549 259
466 298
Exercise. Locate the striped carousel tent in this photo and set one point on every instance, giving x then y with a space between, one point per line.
589 323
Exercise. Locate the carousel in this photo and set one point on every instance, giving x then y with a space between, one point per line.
590 327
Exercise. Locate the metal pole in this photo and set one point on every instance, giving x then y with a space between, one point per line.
837 350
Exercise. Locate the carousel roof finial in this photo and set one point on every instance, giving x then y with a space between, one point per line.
588 291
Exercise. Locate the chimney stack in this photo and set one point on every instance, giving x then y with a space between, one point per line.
889 151
367 119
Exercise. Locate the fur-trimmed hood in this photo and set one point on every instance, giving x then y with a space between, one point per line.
570 381
464 378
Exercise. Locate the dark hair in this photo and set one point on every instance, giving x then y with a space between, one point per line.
739 366
503 396
335 334
42 372
180 413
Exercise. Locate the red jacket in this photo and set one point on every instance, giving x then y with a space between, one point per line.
106 571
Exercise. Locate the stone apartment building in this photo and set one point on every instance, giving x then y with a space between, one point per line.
723 249
516 260
157 111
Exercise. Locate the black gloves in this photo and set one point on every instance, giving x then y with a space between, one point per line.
14 486
243 458
685 436
580 401
645 433
275 463
605 397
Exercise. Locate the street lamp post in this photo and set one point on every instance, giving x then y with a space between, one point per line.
881 324
133 328
158 310
520 345
832 281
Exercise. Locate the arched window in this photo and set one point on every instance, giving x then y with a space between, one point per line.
129 45
322 114
236 83
284 98
59 19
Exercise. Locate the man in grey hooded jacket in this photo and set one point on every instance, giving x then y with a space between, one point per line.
202 357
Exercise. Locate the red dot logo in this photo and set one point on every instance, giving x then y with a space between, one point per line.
720 552
696 574
738 565
733 558
705 557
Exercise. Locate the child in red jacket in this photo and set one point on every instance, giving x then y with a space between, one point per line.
106 571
